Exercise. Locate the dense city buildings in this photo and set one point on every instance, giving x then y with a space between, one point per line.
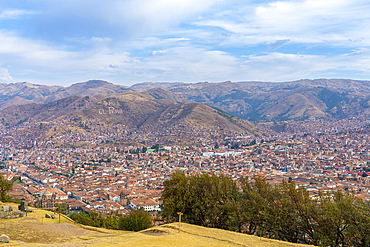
90 166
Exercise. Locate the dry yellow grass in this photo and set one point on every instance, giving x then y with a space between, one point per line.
29 231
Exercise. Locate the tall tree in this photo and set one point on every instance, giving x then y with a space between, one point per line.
333 219
255 204
359 219
176 195
212 197
5 187
305 209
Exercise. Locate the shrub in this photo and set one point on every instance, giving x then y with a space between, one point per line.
136 220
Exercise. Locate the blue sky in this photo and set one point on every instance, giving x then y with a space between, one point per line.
130 41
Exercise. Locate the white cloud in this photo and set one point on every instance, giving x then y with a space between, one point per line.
283 67
5 76
277 44
176 39
184 62
159 53
14 13
306 21
314 16
128 41
118 18
40 59
191 64
89 41
27 50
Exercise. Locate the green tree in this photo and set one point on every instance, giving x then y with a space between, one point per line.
305 209
254 204
212 197
176 196
203 199
136 220
290 214
285 212
280 222
333 220
90 219
57 207
235 145
5 187
155 147
359 219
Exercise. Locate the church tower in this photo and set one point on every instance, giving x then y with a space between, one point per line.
124 201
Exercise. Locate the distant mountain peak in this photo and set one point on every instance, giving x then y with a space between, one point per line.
92 84
35 93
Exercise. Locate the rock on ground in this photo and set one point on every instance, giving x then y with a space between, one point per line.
4 238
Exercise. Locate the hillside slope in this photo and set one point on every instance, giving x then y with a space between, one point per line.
30 231
255 101
131 109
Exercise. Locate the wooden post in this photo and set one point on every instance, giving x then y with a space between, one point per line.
179 213
59 217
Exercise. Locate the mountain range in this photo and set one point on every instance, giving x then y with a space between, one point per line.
24 93
256 101
134 109
253 101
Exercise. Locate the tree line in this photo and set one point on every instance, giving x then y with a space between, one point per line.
135 220
285 212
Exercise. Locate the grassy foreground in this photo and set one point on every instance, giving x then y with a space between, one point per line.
30 231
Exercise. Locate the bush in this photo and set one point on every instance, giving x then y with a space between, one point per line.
136 220
5 187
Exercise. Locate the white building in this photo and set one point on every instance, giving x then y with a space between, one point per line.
147 204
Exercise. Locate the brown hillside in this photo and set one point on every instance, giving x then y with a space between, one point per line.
299 100
131 108
24 92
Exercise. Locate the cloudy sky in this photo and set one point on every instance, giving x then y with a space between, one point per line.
62 42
